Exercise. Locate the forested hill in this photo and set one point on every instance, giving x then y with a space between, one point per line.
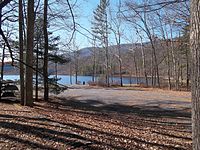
131 56
87 51
64 68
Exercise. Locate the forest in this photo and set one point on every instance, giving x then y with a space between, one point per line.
154 42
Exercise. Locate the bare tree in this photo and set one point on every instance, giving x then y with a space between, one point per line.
144 26
143 57
116 27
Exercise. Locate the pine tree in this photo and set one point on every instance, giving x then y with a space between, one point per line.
100 32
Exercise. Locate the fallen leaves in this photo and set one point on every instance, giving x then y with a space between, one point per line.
57 125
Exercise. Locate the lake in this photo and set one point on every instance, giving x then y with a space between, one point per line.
65 79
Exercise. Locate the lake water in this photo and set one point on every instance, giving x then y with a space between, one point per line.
65 79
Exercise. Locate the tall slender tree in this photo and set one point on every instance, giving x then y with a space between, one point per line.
100 31
117 30
195 52
2 69
29 54
21 50
46 47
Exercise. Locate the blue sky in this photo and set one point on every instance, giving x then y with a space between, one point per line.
85 16
84 12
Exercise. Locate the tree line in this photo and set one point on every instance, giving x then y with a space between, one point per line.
158 36
30 44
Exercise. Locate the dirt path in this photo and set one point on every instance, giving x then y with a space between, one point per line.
85 118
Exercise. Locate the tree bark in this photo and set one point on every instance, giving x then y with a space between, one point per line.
37 68
70 73
136 68
144 62
46 47
76 67
188 70
94 66
107 54
3 55
21 51
2 69
195 52
29 54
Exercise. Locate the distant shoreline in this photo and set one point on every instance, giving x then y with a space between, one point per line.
126 76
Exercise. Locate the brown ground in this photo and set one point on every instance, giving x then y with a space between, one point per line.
100 118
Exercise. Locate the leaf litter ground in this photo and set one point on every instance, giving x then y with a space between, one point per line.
100 118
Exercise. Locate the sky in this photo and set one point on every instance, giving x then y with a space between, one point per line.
84 12
85 15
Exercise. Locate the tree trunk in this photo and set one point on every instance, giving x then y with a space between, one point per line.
76 67
94 66
144 63
2 63
56 72
120 72
174 58
152 70
37 68
29 54
178 74
120 58
165 38
46 47
2 69
107 54
168 65
21 51
107 68
156 69
70 73
188 70
195 52
130 77
169 70
136 68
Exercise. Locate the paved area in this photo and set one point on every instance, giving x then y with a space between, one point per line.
131 96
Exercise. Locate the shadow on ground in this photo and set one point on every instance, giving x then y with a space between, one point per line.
44 131
150 109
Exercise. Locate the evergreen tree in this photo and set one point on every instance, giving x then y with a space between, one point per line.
100 32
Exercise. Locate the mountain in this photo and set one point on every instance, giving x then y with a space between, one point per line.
84 57
85 52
